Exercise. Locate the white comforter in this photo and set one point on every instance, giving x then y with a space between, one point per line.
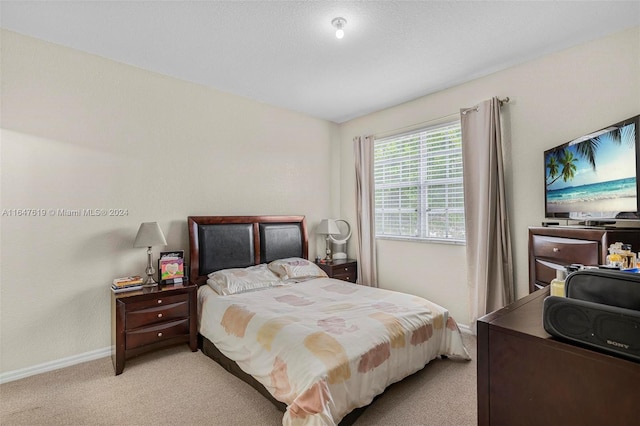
325 347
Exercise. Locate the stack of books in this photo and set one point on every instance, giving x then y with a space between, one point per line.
126 284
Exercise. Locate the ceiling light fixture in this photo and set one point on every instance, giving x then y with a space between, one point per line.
339 23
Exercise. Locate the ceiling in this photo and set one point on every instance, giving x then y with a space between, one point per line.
285 53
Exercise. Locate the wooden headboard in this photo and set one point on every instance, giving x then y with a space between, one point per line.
221 242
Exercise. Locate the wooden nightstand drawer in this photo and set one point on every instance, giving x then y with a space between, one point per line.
157 301
156 314
347 277
146 335
346 273
345 270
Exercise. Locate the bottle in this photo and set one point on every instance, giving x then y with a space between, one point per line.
628 257
615 258
557 284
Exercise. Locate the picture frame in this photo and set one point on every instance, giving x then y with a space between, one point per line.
171 267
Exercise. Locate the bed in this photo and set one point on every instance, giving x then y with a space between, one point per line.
320 349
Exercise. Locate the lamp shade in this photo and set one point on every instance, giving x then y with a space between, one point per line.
149 235
328 227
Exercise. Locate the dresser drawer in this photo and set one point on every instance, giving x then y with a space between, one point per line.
156 314
565 250
346 277
160 300
156 333
345 273
546 271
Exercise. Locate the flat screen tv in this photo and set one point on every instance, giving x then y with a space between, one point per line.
594 178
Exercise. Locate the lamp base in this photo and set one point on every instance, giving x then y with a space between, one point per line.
150 282
328 257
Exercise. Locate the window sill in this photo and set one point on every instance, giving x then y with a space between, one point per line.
423 240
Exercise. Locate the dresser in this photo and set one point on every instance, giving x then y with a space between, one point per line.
528 377
552 248
145 320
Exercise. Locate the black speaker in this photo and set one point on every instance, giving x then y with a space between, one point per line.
608 328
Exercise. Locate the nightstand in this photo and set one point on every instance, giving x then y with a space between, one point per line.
144 320
341 269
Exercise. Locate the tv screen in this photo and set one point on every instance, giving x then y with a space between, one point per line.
595 176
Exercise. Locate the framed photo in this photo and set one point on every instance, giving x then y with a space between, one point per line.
171 267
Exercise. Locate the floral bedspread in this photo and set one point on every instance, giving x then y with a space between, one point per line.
325 347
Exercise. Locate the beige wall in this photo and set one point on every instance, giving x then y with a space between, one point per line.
553 99
80 131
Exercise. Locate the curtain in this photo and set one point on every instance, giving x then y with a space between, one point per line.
365 224
489 255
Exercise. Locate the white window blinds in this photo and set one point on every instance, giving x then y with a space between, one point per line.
418 185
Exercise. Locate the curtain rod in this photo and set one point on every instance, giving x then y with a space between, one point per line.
422 123
411 126
475 108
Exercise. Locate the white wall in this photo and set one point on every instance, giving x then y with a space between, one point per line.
553 99
80 132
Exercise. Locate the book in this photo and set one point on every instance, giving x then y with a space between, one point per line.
127 281
127 285
126 288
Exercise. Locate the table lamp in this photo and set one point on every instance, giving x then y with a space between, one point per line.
328 227
149 235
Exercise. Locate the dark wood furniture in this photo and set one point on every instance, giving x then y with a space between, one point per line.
220 242
249 240
528 377
552 248
145 320
245 241
341 269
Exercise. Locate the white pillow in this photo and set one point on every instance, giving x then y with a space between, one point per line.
240 280
295 269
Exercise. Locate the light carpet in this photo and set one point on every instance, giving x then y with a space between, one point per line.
177 386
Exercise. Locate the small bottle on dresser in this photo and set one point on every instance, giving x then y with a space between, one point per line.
557 284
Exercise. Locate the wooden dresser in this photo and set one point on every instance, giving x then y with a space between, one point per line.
552 248
528 377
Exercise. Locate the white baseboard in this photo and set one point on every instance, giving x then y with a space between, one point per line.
464 328
10 376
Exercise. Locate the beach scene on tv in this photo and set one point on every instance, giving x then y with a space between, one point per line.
595 174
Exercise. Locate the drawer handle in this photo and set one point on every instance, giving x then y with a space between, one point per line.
160 334
159 301
159 315
556 249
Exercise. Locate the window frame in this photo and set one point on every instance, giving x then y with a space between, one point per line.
453 183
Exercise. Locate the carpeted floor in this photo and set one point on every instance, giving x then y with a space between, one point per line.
177 386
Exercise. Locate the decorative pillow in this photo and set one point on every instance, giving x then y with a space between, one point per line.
295 269
240 280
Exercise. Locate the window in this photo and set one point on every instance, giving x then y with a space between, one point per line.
418 185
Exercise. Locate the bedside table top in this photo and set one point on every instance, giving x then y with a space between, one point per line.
156 290
337 262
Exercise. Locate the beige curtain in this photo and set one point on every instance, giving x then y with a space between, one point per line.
489 257
365 224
